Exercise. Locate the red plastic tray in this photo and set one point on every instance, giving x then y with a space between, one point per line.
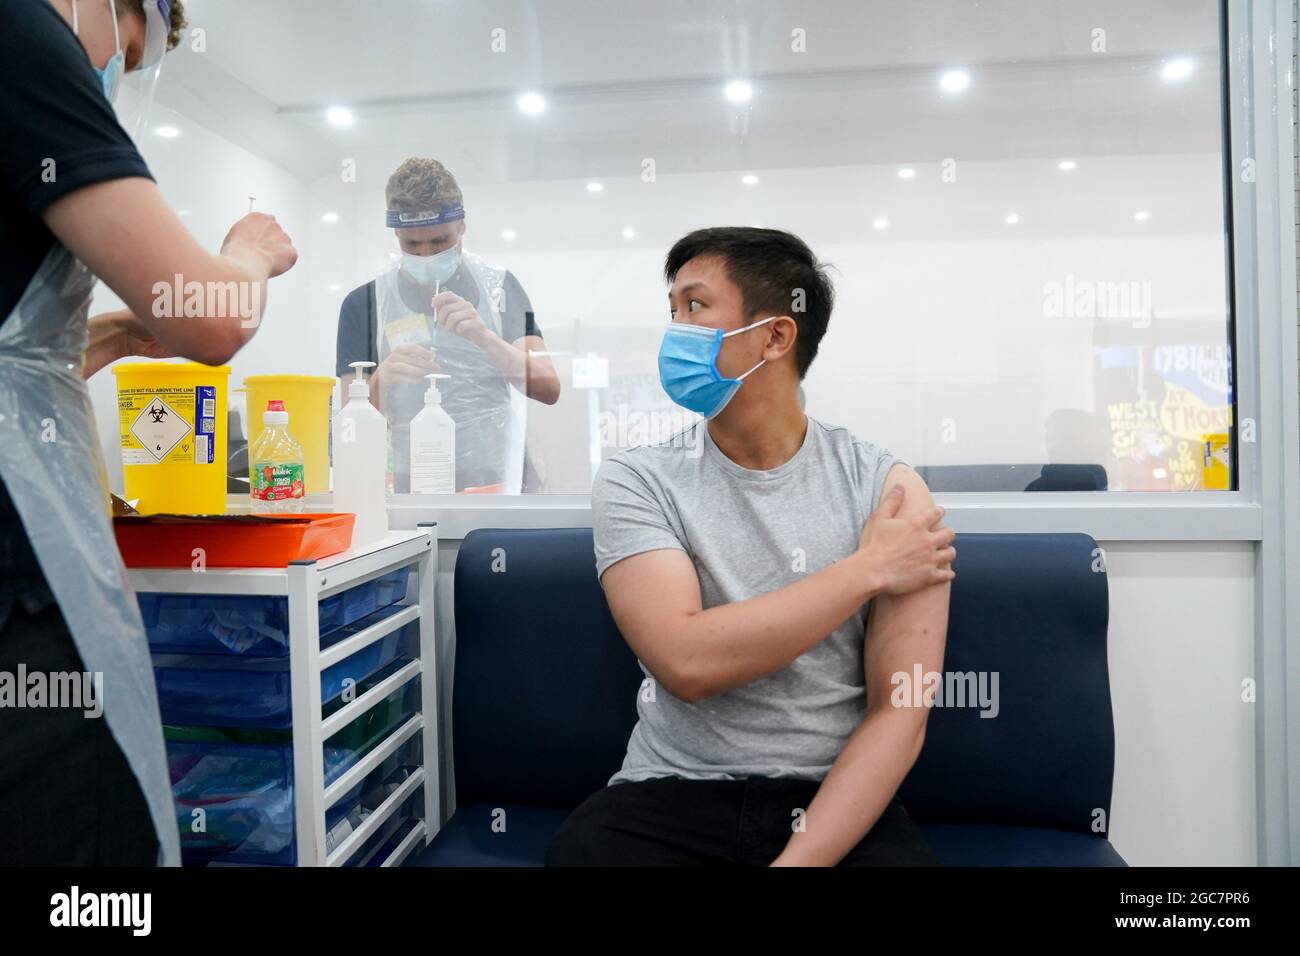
230 541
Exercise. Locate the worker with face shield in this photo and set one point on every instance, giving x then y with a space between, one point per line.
441 309
83 770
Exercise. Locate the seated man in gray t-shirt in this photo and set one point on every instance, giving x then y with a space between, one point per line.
739 559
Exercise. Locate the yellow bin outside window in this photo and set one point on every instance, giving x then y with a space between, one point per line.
309 401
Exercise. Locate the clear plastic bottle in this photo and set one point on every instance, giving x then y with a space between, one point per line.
275 465
360 453
433 445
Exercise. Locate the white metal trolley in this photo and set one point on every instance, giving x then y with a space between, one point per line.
305 584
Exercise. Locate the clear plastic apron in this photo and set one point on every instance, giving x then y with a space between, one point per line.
52 467
489 413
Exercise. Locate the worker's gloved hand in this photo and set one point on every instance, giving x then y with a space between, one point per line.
136 340
118 335
260 236
407 363
457 315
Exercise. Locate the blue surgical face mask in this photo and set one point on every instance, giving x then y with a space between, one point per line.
427 270
110 76
688 367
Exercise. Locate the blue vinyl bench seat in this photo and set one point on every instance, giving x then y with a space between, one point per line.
545 688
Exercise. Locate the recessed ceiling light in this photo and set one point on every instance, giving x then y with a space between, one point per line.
907 172
1066 165
167 132
739 91
749 179
880 222
1177 69
954 81
182 212
330 217
629 233
340 116
1141 215
1012 218
531 104
509 235
595 187
335 287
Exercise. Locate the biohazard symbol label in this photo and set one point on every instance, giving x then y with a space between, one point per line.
159 428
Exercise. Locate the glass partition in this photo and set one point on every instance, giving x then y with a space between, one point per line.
1023 203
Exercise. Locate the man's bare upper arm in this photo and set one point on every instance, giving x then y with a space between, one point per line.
648 594
904 630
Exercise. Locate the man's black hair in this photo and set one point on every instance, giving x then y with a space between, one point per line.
777 275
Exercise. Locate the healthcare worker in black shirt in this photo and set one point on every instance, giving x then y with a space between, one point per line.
86 784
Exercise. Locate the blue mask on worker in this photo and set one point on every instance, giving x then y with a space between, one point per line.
688 367
427 270
110 76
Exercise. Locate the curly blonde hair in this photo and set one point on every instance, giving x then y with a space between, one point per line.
178 24
421 184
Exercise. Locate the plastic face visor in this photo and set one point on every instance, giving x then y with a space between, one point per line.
430 217
136 111
157 27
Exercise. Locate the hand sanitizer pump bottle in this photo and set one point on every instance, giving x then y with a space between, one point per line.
361 461
433 445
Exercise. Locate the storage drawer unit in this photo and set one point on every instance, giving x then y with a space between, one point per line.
255 625
301 705
231 691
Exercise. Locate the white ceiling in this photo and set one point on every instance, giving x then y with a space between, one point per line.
308 52
629 80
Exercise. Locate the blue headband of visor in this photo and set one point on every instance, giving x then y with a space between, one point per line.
430 217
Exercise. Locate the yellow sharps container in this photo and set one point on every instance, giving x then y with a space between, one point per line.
172 425
308 400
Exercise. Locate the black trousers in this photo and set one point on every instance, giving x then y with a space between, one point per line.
669 821
67 795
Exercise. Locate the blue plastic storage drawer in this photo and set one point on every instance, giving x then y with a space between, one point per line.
209 691
254 626
244 787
